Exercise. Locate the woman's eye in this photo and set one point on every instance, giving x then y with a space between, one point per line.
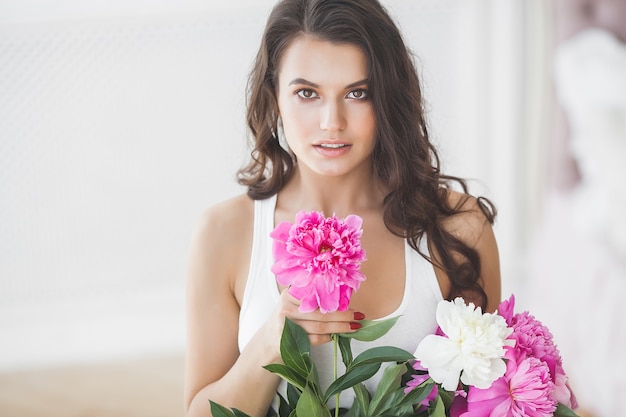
360 94
306 93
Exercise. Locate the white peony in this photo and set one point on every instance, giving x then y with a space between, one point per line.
472 349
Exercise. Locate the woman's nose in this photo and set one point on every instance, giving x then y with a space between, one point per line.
332 117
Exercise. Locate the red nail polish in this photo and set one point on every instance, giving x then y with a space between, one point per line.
358 315
355 326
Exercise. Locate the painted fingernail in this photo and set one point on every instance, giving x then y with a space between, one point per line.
358 315
355 326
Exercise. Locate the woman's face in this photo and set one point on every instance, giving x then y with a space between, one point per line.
324 104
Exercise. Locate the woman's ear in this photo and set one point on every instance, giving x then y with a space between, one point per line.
282 140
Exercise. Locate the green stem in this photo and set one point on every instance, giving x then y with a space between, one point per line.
335 343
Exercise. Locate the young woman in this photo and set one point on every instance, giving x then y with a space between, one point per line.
336 113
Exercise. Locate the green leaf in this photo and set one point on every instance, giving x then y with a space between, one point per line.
283 406
385 396
293 395
381 354
346 350
355 411
362 397
564 411
288 374
221 411
351 378
389 404
439 410
311 405
447 397
372 329
301 337
313 378
294 345
418 394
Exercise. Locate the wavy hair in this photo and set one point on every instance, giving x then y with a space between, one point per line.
404 159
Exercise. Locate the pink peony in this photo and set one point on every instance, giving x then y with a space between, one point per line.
319 259
524 390
459 404
506 309
534 339
562 391
531 337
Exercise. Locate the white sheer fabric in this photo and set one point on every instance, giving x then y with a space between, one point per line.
580 259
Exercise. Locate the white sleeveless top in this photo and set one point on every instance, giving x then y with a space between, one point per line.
416 310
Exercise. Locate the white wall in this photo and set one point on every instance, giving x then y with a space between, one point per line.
121 121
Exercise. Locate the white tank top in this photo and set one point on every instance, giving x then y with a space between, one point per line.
416 310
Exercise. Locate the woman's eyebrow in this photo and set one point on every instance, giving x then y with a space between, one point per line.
314 85
303 81
358 83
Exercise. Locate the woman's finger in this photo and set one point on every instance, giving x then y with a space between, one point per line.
327 327
319 326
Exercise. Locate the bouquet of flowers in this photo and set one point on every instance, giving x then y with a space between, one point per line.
475 365
488 365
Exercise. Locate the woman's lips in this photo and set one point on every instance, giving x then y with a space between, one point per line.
332 149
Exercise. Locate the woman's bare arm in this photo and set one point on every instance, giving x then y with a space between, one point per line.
472 227
214 367
218 269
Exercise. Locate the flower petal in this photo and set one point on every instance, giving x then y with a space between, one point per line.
322 257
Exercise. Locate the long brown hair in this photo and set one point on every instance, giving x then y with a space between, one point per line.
404 158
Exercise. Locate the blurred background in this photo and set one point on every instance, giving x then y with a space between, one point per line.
121 121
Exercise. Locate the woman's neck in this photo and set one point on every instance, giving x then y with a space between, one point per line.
340 195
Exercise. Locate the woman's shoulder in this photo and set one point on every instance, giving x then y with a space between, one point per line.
473 217
230 210
226 223
231 214
220 249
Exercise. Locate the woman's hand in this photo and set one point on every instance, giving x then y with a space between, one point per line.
319 326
